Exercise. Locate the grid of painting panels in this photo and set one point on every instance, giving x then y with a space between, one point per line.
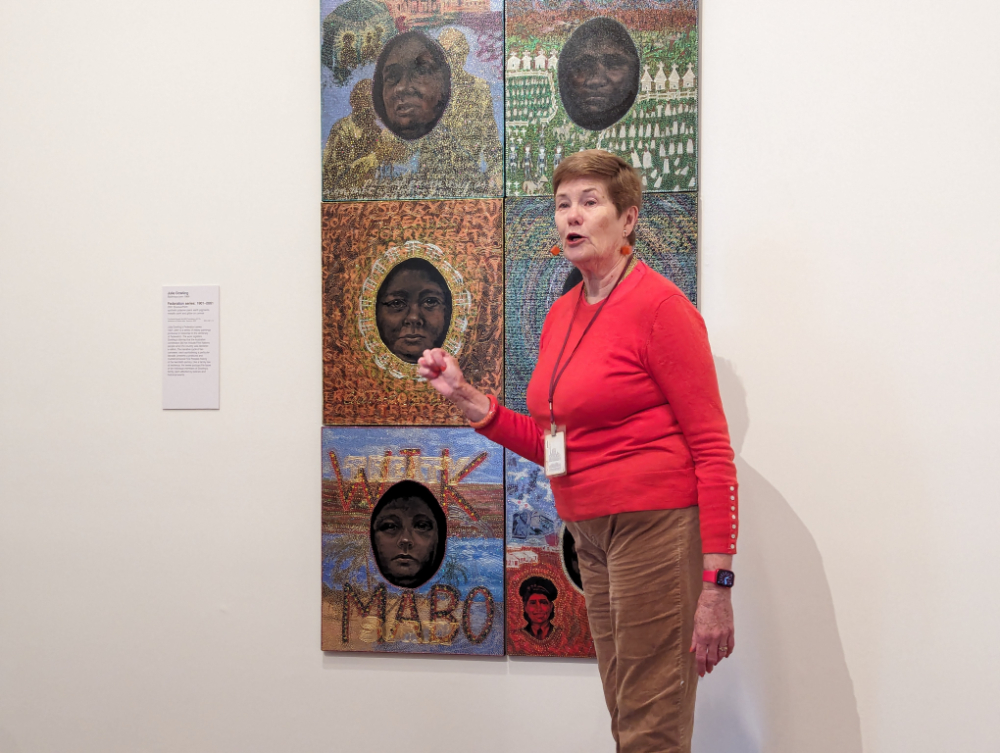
442 123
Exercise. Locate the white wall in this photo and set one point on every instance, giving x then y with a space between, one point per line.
159 571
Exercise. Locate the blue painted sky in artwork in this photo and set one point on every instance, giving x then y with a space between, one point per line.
345 440
481 559
527 485
527 491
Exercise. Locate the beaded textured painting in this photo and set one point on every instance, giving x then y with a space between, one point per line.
620 75
547 614
412 541
412 95
666 240
400 277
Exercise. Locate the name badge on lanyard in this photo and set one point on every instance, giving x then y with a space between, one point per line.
555 440
555 453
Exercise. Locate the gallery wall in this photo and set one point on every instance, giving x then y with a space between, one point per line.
158 570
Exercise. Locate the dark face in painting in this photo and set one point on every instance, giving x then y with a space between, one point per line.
415 85
405 537
598 74
539 610
413 311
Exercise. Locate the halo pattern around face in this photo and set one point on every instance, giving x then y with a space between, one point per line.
368 378
461 305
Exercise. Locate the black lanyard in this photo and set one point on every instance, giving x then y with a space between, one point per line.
556 371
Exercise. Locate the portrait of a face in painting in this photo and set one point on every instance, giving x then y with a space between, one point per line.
412 84
598 73
408 533
413 309
538 595
412 300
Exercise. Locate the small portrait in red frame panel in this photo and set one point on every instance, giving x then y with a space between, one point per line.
401 277
547 616
538 599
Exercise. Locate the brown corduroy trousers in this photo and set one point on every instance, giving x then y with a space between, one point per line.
642 579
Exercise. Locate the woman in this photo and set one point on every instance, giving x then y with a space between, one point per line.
537 595
408 531
624 401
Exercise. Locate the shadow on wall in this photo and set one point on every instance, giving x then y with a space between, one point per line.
787 688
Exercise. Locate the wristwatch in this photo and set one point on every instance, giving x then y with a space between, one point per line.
720 577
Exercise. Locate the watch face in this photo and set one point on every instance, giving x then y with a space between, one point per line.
725 578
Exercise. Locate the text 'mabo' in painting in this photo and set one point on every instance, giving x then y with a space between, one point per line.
412 541
619 75
412 95
401 277
666 240
547 613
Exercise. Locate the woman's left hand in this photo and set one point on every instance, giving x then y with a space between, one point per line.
713 638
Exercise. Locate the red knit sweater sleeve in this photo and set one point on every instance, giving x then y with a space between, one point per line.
516 432
679 359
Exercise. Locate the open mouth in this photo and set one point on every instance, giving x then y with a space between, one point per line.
573 238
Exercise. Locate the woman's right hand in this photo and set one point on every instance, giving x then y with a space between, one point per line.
443 373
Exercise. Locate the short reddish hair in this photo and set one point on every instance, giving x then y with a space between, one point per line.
620 179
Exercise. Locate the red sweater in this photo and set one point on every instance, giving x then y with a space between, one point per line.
640 402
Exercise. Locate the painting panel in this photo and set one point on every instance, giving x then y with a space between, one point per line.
620 75
412 541
666 240
412 99
548 613
400 277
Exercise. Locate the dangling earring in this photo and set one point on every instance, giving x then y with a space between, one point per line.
626 250
554 250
